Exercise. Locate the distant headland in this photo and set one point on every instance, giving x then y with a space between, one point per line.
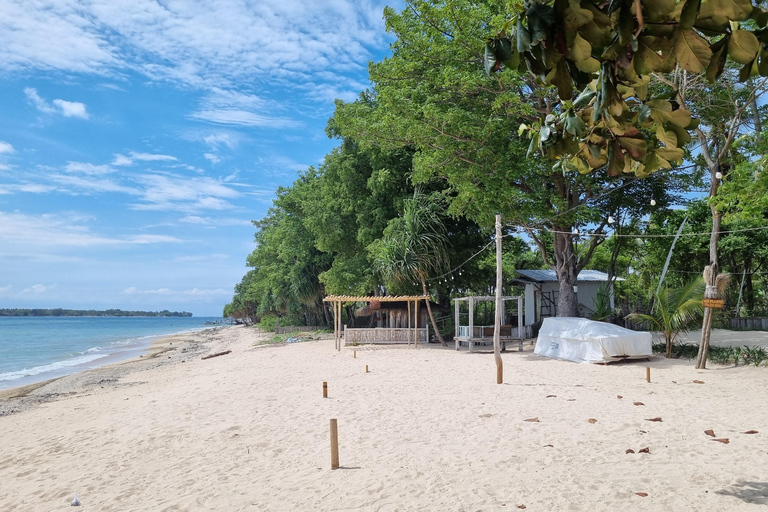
87 312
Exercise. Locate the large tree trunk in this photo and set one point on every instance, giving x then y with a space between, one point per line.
431 316
565 267
710 277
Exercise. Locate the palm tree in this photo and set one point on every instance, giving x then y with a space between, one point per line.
674 310
414 245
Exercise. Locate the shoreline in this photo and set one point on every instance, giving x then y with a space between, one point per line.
26 396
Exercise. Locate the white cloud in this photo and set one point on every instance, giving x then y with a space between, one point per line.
182 193
208 221
278 42
36 288
63 107
71 108
87 168
167 291
4 289
90 184
122 160
228 139
238 117
6 148
213 158
62 230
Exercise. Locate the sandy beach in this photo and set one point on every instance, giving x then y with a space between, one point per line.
425 429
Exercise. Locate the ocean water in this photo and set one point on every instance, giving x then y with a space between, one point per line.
34 349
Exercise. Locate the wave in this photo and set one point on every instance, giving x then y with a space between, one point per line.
52 367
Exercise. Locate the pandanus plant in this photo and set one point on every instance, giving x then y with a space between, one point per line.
674 311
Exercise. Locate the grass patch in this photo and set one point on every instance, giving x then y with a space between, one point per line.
721 355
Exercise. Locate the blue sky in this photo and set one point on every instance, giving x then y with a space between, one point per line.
139 138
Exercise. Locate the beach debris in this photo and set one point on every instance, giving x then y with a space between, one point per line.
619 397
549 446
710 433
521 506
76 501
642 494
592 420
723 440
551 396
533 420
638 403
629 450
644 450
571 400
698 382
217 354
751 432
653 419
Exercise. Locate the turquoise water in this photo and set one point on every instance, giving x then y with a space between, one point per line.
34 349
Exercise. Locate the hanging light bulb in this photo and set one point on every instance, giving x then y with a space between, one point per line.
610 220
653 202
719 175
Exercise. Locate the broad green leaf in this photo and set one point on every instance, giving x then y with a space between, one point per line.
583 99
680 117
574 125
580 49
691 50
489 59
651 53
670 153
763 63
523 37
540 18
743 46
615 160
588 66
651 165
689 13
663 164
736 10
717 63
683 137
660 110
749 70
575 16
635 147
760 16
658 11
560 78
580 165
668 138
596 156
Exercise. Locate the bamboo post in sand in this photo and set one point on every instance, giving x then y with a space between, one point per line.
366 368
499 302
648 374
325 390
354 354
334 444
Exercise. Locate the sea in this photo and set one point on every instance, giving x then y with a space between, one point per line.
35 349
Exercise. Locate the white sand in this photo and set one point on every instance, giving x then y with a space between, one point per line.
426 429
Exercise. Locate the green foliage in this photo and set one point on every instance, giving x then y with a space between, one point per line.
721 355
607 52
601 305
87 312
674 310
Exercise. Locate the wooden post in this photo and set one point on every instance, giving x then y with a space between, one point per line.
416 322
366 368
648 374
354 354
471 323
334 444
325 390
499 302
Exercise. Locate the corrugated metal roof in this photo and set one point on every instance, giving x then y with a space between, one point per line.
386 298
548 276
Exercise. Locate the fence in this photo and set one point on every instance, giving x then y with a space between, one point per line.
384 335
486 331
749 324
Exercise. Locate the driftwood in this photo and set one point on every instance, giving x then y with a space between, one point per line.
217 354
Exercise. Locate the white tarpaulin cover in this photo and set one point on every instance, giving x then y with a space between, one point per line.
587 341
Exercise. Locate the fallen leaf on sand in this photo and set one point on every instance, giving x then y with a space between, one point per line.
723 440
638 403
548 446
644 450
571 400
619 397
629 450
533 420
592 420
551 396
652 419
751 432
710 433
698 382
642 494
521 506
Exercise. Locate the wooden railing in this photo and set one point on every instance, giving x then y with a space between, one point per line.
384 335
486 331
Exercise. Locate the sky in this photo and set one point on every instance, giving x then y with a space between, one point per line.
140 138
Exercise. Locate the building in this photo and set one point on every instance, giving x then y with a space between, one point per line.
542 289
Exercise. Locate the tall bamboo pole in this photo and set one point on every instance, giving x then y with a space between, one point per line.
497 322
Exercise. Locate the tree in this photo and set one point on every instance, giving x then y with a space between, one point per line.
414 247
674 310
433 95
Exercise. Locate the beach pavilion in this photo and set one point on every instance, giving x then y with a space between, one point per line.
412 332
